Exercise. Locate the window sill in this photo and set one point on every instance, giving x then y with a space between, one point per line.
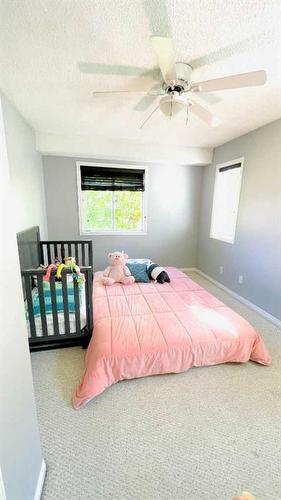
225 240
113 233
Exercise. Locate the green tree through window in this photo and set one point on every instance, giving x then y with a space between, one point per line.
112 210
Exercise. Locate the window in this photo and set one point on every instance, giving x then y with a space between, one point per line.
111 199
226 200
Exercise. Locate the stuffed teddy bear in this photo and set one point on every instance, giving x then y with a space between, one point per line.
117 271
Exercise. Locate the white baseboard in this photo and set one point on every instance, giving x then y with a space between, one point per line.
258 309
40 481
2 488
188 269
39 486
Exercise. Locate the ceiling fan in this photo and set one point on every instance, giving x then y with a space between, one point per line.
177 82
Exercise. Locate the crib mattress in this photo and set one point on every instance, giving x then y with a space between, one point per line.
150 329
61 322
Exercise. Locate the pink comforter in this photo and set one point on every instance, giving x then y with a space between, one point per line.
148 329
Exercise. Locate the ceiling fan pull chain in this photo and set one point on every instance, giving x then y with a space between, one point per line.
187 116
171 107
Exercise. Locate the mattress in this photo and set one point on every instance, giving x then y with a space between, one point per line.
61 321
150 329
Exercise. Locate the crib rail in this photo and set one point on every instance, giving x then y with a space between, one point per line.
82 250
53 333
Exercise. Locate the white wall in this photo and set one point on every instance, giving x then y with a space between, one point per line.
20 450
256 252
25 165
107 149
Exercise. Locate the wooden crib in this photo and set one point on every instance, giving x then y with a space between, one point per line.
59 314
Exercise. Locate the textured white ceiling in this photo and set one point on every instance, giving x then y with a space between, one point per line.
49 51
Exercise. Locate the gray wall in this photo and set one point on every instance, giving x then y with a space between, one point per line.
26 171
20 450
256 253
173 209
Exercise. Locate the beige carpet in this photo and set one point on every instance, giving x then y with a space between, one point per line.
205 434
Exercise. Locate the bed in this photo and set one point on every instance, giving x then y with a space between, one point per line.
58 314
149 329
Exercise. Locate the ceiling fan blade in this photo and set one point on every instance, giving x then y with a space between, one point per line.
152 93
158 16
117 69
203 114
149 116
257 41
157 91
114 92
231 82
146 101
209 98
164 51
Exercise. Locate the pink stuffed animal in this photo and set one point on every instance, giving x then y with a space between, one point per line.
117 271
245 496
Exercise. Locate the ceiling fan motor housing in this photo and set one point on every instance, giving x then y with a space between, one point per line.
183 81
175 88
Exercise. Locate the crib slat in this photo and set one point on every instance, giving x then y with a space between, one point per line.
77 306
27 283
83 263
76 253
90 287
42 304
54 304
87 303
56 251
65 302
44 254
40 252
49 253
59 251
62 248
89 308
69 249
90 251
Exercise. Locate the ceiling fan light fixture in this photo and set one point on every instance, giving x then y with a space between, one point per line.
172 104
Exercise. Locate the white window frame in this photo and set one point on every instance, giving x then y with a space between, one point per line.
112 232
218 166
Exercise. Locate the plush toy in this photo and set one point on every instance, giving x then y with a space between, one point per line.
158 274
50 268
245 496
117 271
69 262
76 273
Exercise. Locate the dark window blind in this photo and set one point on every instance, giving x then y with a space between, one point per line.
111 179
230 167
